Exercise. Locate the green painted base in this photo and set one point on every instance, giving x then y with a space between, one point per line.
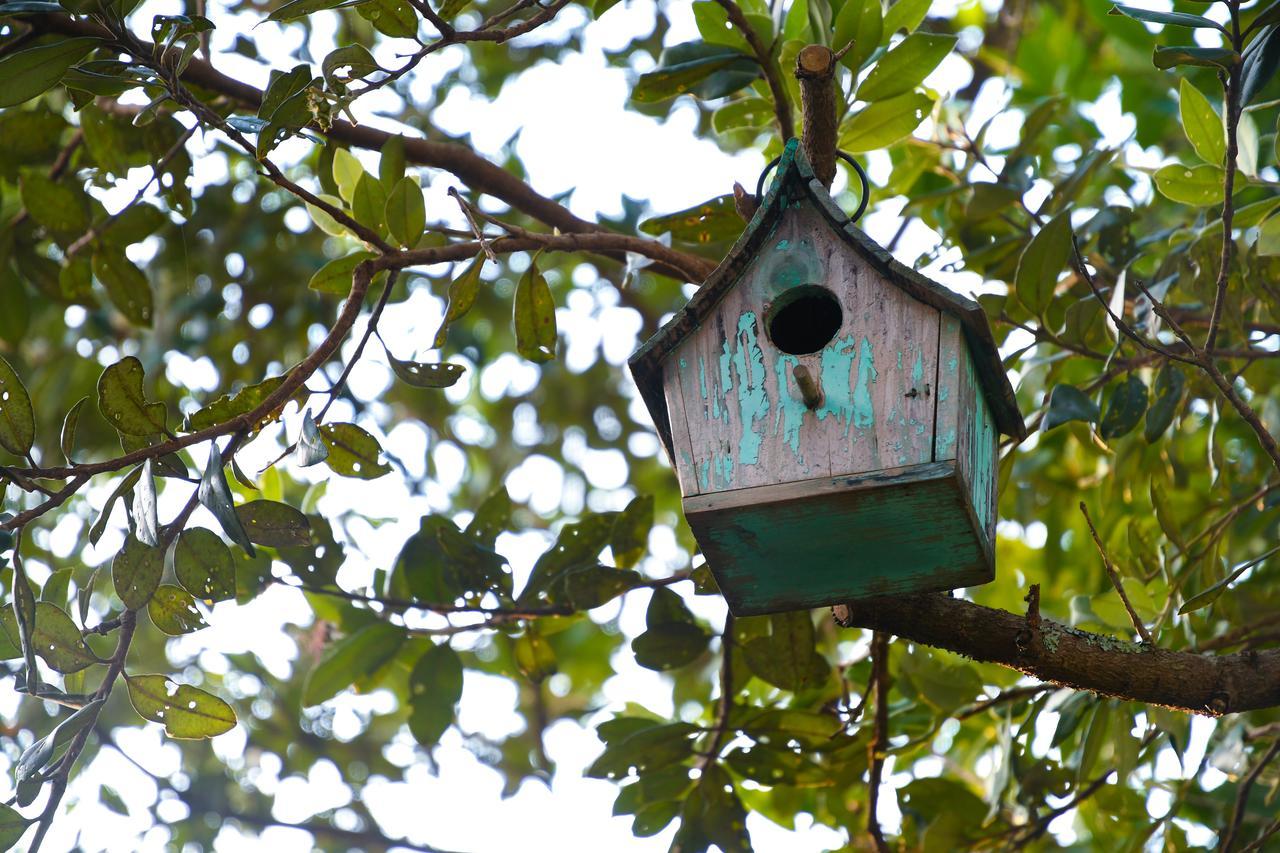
821 542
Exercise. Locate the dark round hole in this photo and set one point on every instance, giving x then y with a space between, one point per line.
804 319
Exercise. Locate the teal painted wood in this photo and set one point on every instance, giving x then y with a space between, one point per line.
947 420
977 450
809 545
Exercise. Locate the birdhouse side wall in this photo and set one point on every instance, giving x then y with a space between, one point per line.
966 430
738 419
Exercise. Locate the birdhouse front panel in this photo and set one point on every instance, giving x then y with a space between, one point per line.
832 415
807 301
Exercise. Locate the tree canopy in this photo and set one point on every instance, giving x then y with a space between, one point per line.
219 396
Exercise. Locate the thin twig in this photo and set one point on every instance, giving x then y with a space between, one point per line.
769 67
1115 578
1242 797
1231 117
725 705
475 226
880 736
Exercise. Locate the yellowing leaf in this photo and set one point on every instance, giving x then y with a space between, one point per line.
185 711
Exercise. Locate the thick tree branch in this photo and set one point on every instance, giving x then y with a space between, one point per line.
1187 681
815 69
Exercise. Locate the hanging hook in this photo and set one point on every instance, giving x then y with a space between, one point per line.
857 167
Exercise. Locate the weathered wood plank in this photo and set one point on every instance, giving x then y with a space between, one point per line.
977 449
908 532
680 456
947 420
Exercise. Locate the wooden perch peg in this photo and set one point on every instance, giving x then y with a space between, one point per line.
816 70
809 390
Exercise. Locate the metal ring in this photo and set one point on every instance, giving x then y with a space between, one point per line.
857 167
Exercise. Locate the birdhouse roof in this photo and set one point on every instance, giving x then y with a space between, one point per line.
795 180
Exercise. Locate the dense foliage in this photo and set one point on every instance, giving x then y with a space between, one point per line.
194 385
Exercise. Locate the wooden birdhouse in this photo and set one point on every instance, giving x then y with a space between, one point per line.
832 416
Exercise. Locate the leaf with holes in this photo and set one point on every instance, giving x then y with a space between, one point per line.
362 651
353 452
17 417
579 544
228 406
435 688
185 711
55 637
123 402
173 610
127 285
714 221
274 524
204 566
463 291
136 572
426 375
534 316
1198 186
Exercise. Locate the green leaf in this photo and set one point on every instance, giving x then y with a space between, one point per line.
1262 56
123 402
67 439
715 28
905 66
275 524
395 18
1208 596
144 507
1068 403
1099 726
1198 186
641 746
122 489
173 610
426 375
713 221
435 688
1041 262
707 71
631 532
903 16
56 206
295 9
229 406
358 62
35 757
136 572
669 646
883 123
1202 124
336 276
17 417
347 173
31 72
1124 409
406 212
204 566
535 316
323 220
786 657
744 113
12 827
1168 397
362 651
215 496
578 545
55 637
1269 237
185 711
533 655
861 22
369 204
311 447
125 284
353 452
1207 57
391 163
1177 19
463 291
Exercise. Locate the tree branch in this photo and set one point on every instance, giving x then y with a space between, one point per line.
1186 681
1242 797
879 737
772 73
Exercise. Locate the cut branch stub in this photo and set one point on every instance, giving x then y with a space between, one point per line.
815 69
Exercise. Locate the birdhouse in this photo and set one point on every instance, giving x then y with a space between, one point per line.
832 416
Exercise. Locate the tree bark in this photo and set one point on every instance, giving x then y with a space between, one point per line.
816 69
1187 681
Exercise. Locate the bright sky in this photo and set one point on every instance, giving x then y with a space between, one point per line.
602 152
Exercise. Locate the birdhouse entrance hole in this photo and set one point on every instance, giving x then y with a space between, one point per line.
804 319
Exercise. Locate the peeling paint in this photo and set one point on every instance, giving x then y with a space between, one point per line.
863 410
704 475
836 368
753 400
917 370
790 415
